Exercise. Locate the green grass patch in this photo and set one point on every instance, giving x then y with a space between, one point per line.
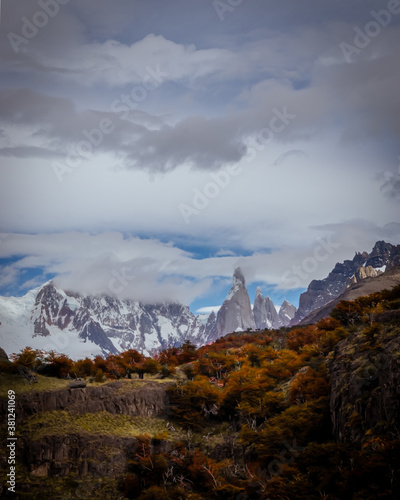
101 423
20 385
128 384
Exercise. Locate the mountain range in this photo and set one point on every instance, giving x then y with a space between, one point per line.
53 319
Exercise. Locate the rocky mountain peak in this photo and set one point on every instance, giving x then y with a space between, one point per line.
381 248
286 313
235 313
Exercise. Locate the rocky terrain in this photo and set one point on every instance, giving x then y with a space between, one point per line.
383 256
361 287
146 399
365 381
327 393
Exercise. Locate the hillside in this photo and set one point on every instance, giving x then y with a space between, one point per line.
306 412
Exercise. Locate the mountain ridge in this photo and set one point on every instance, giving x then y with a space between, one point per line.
320 292
52 319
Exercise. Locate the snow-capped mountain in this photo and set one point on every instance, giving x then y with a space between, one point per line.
383 256
52 319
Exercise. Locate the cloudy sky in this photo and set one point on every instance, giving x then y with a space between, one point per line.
148 147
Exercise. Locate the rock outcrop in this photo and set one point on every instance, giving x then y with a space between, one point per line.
147 400
363 273
3 357
383 256
365 381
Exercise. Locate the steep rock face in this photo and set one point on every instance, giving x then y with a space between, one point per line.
77 454
84 456
362 273
320 292
52 319
382 281
150 400
286 313
86 453
365 380
235 313
211 327
265 315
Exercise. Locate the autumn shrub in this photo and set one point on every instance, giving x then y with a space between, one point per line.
348 313
83 368
216 364
167 371
59 364
329 340
194 403
311 384
28 357
299 337
244 391
303 423
284 366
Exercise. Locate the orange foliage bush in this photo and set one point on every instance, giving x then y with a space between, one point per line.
311 384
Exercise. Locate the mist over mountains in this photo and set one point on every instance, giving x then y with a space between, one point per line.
54 319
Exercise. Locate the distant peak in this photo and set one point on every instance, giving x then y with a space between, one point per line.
259 292
381 247
238 276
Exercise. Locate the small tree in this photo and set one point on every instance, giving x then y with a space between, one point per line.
83 368
148 365
61 363
28 357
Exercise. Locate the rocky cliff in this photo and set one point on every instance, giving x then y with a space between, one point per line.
87 433
147 399
365 382
383 256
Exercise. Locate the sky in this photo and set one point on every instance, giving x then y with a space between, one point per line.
148 147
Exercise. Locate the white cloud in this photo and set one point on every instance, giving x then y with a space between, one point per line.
208 309
221 86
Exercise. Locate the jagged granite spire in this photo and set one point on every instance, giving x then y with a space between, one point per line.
265 315
235 313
